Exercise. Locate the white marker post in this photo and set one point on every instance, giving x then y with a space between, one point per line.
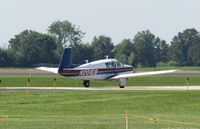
28 81
0 84
30 72
126 119
28 84
54 84
187 82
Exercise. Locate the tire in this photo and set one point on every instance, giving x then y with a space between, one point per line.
121 86
86 83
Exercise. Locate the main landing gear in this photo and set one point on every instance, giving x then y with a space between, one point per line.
122 82
86 83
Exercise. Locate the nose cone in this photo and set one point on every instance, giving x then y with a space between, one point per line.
128 66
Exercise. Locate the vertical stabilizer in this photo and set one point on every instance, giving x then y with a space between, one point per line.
66 60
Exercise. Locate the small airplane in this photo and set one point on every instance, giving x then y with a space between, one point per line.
105 69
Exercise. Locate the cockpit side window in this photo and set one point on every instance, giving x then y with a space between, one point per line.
110 64
107 65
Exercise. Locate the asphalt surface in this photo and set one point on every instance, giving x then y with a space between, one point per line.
128 88
25 74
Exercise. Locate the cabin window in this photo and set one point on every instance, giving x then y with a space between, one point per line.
110 64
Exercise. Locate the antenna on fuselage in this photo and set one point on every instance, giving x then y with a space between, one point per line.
106 56
86 61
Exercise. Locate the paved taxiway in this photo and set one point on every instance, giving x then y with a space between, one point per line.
107 88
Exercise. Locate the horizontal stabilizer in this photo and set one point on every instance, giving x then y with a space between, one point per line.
129 75
48 69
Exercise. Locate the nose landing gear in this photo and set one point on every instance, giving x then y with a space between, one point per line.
122 82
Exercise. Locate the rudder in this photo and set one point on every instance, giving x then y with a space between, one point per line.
66 60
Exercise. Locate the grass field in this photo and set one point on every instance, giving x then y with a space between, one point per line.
62 81
99 109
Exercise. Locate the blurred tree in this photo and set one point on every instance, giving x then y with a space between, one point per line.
161 50
149 49
30 47
124 51
101 47
82 52
194 52
66 33
5 60
132 59
180 45
144 48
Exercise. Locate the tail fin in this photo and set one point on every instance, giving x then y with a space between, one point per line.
66 60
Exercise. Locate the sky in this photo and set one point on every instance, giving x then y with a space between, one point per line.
117 19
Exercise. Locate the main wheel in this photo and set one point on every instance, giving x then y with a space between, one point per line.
86 83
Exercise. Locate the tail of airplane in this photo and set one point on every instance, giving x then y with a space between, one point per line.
66 60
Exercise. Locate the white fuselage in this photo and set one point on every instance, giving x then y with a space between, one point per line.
99 70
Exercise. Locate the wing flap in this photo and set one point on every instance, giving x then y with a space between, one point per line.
129 75
48 69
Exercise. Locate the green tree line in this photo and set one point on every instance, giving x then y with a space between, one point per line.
30 48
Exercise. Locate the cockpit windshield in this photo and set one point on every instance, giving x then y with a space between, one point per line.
118 64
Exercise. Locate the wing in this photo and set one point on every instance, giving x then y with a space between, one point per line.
129 75
48 69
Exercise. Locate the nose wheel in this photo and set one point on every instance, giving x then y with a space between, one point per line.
86 83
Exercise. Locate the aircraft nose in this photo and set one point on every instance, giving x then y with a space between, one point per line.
128 66
131 67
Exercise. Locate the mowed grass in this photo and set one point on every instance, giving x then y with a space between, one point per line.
48 81
62 81
99 109
163 81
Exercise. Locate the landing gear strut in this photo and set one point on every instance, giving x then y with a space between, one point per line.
86 83
122 82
